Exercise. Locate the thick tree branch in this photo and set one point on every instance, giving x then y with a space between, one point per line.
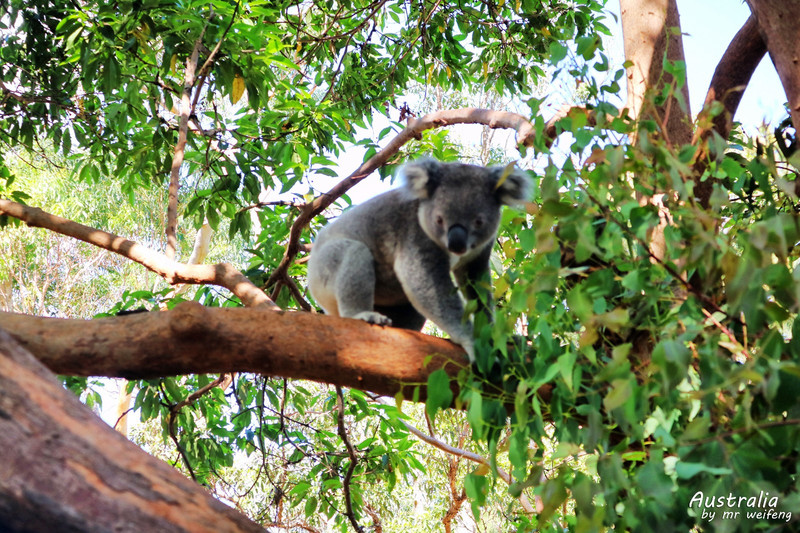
730 79
347 352
221 274
63 469
733 73
327 349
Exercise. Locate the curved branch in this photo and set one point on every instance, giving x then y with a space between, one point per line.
733 73
730 79
470 115
222 274
777 23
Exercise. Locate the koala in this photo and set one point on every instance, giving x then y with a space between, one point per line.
389 260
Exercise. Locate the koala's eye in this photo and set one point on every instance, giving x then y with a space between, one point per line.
478 222
439 220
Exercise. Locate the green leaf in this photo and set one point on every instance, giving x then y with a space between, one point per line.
620 393
686 470
557 52
476 487
440 396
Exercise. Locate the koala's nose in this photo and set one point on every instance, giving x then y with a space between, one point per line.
457 239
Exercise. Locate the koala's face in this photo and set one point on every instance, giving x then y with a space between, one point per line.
460 204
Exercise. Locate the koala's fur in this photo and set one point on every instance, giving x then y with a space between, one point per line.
388 261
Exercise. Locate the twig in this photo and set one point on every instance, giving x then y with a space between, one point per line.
474 457
223 381
180 148
172 433
296 294
257 205
776 423
203 72
708 302
348 499
727 332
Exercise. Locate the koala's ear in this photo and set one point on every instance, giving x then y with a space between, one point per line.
515 188
422 177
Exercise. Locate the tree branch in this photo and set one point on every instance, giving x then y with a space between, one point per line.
733 73
327 349
474 457
222 274
180 148
777 23
351 452
203 72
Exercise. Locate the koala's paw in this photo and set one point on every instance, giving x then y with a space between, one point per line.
374 317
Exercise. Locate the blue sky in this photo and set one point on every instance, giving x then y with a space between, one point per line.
708 27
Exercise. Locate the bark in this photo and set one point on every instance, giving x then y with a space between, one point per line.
180 148
327 349
65 470
651 32
732 75
778 24
340 351
650 29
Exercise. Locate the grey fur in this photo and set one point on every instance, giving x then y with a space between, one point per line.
388 261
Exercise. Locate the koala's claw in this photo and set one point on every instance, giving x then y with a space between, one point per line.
373 317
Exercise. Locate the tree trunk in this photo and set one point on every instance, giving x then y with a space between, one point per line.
64 470
650 29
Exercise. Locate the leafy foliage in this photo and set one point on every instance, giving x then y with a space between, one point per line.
669 374
645 347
